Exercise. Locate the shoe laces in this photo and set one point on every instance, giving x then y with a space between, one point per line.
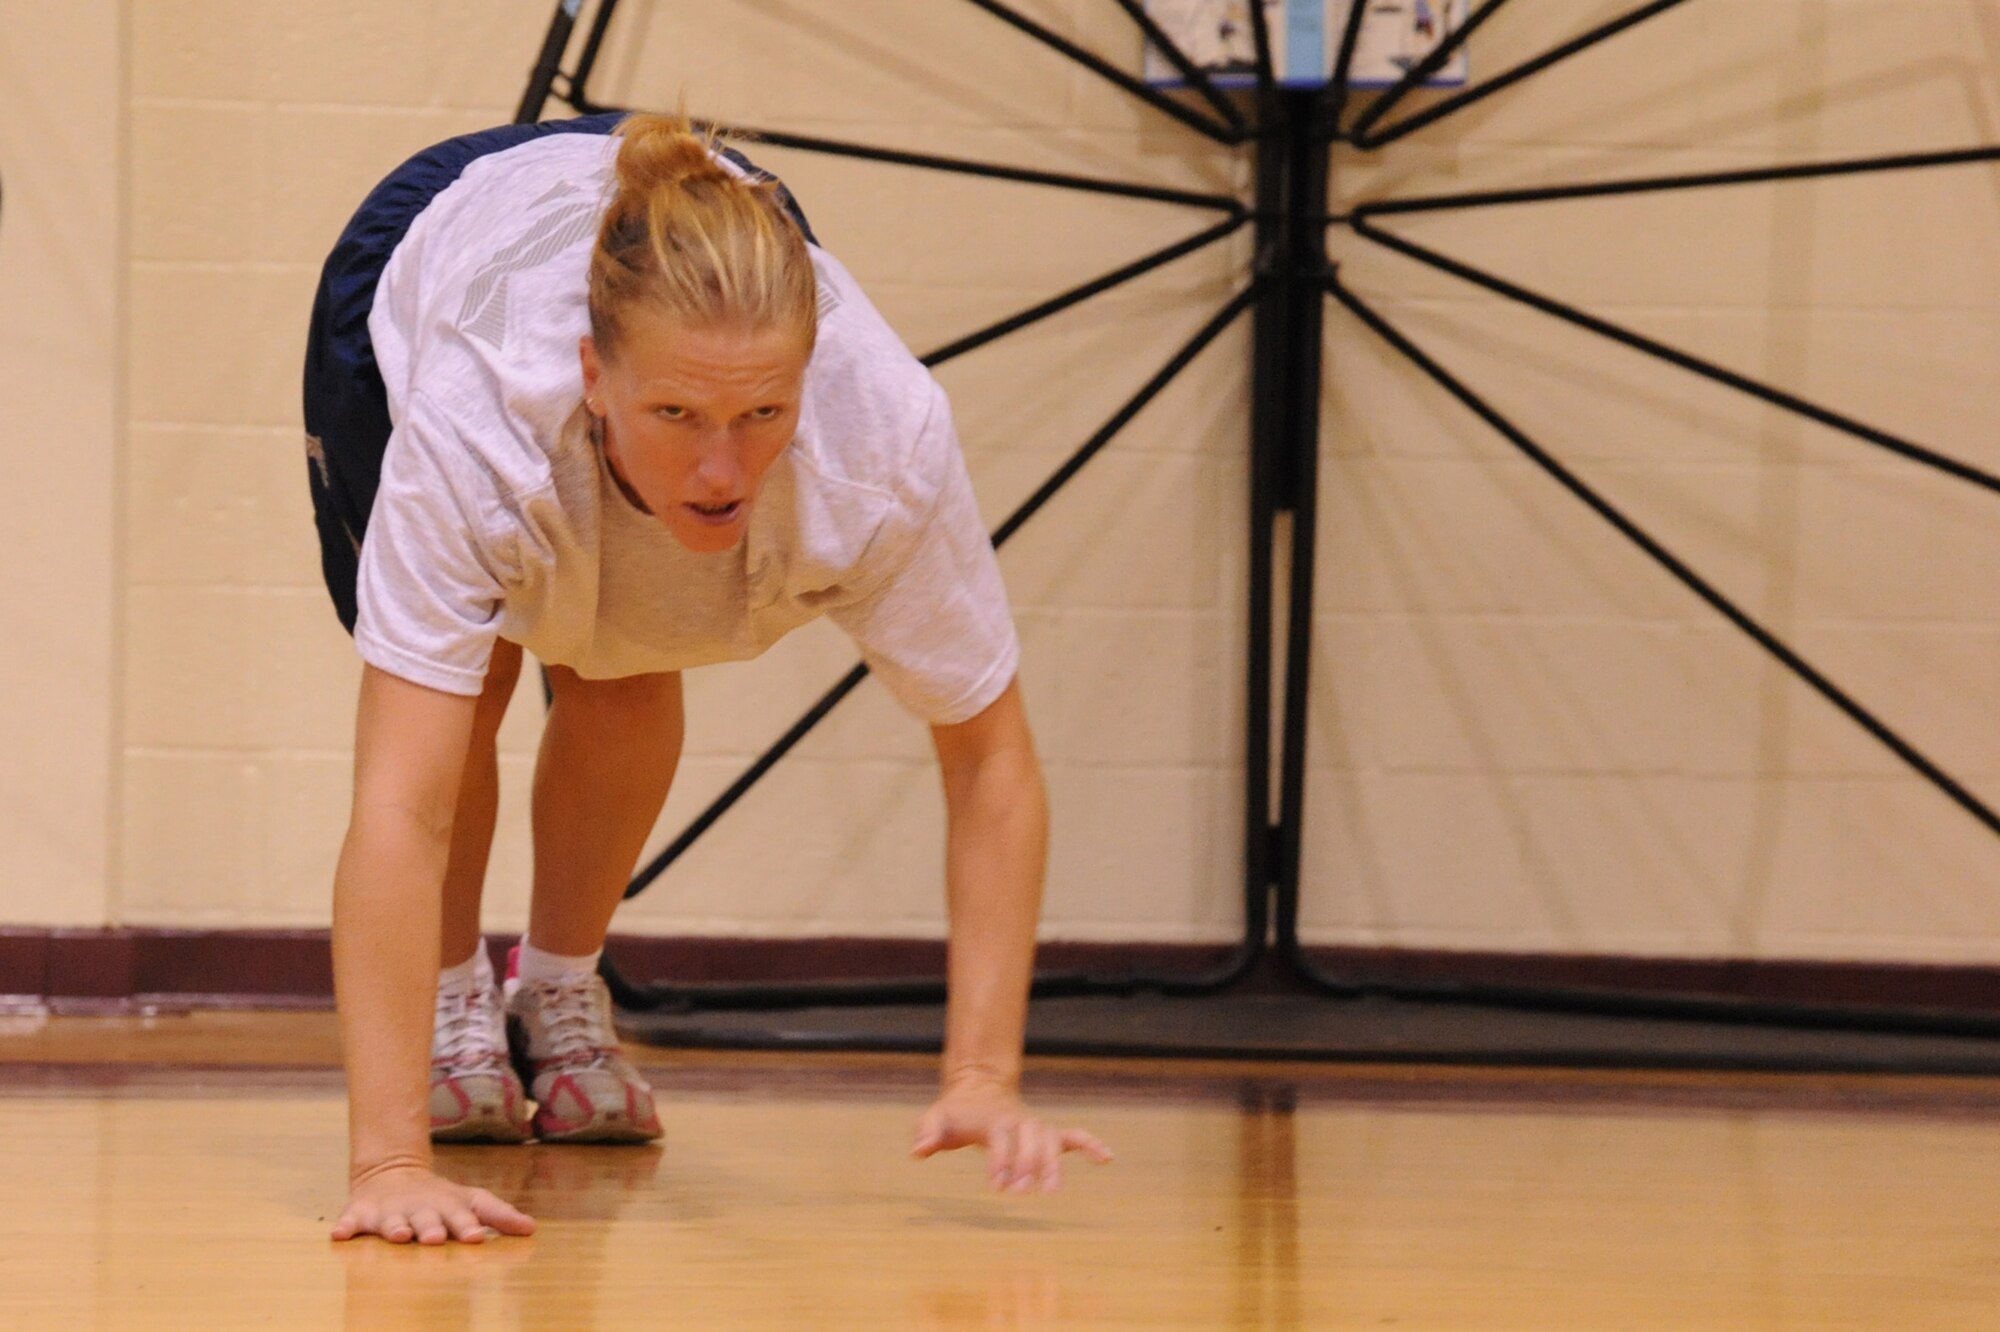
464 1032
572 1032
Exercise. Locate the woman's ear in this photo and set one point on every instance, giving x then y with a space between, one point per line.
593 370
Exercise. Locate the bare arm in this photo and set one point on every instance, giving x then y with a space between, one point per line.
409 757
409 753
997 850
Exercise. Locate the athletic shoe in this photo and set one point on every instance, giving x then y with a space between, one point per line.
567 1051
475 1094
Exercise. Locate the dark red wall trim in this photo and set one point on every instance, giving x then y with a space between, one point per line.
96 969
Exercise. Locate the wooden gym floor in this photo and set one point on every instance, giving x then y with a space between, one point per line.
180 1172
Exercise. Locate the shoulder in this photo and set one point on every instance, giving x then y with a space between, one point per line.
878 456
518 218
486 299
510 186
875 417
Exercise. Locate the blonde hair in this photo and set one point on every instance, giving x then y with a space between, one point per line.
687 238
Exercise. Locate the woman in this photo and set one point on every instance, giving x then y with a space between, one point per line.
586 390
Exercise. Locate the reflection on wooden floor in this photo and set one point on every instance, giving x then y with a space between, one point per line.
182 1173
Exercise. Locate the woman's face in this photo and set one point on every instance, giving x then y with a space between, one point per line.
694 415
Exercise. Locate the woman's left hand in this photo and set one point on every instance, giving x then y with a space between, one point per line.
1023 1153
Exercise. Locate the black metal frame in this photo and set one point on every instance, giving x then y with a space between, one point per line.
1293 133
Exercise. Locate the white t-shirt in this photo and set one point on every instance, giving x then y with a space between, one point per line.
498 518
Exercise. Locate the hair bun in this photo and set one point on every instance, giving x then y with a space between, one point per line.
664 150
688 237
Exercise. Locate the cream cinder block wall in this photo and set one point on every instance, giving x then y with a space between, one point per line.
256 129
1524 738
61 291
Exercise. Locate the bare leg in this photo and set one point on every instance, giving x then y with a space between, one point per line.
478 807
608 756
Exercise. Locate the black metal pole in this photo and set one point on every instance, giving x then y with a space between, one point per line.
1231 128
1075 295
593 45
1849 166
1208 333
1526 69
997 171
1765 393
1308 146
1667 560
1270 369
1104 69
1423 69
1267 76
811 143
549 63
1292 172
1196 76
1343 69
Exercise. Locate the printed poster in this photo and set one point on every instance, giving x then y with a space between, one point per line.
1218 37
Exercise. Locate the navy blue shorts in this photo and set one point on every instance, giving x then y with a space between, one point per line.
346 405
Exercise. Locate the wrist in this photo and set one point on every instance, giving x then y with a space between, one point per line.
361 1169
1003 1075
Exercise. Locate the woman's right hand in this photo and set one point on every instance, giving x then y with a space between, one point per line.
402 1203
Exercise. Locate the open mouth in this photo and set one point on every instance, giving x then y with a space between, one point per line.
717 513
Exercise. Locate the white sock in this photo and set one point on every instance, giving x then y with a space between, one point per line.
537 965
476 972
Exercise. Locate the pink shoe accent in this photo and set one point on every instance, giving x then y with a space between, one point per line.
651 1120
464 1104
553 1120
